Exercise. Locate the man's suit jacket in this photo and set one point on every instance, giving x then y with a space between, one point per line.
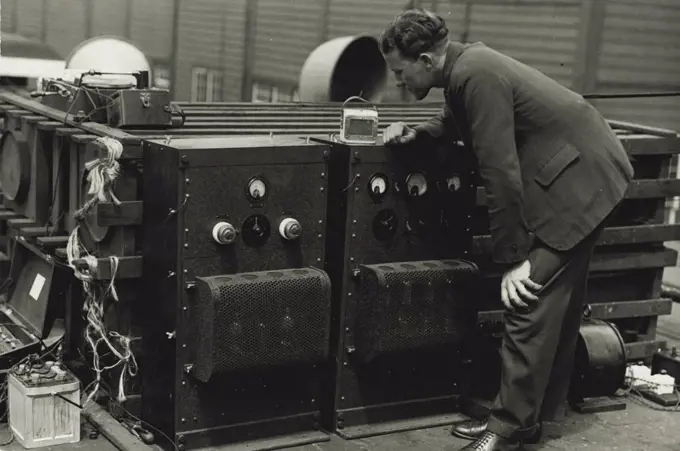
551 165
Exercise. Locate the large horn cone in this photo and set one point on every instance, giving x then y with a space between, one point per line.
344 67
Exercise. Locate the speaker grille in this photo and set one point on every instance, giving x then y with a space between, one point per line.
413 305
261 319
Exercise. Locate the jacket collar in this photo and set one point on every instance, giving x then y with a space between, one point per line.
453 52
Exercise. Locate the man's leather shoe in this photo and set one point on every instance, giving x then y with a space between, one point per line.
473 429
489 441
469 429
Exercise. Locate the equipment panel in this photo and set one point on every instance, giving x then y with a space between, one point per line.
403 289
406 201
238 225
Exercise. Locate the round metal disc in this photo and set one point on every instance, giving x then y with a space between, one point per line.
15 166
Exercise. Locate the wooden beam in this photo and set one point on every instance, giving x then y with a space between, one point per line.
606 310
128 213
638 189
643 349
648 145
653 233
57 115
603 261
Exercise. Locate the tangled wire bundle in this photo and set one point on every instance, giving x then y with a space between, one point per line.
102 173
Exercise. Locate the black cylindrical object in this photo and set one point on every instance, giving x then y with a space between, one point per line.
600 362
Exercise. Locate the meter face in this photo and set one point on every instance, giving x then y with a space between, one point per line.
416 184
360 127
256 188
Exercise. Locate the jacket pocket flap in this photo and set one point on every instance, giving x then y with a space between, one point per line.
557 164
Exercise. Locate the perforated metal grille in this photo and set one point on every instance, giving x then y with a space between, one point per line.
262 319
412 305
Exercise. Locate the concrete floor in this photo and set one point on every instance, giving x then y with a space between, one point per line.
636 429
85 444
642 426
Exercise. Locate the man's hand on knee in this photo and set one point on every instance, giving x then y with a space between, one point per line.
517 287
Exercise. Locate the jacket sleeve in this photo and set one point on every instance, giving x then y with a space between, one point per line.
440 126
489 103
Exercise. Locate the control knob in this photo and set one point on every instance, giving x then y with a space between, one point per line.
290 229
224 233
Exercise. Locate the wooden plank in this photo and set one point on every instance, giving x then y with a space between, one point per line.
605 310
128 268
20 222
16 112
52 242
128 213
81 138
67 131
28 120
130 151
638 189
637 128
113 430
653 189
646 145
32 232
607 261
622 261
632 309
642 350
49 125
53 113
653 233
8 214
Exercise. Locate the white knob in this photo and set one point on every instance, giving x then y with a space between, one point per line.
290 229
224 233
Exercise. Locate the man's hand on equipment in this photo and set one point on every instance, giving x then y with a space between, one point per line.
516 287
399 133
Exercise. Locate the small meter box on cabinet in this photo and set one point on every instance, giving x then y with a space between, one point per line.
43 405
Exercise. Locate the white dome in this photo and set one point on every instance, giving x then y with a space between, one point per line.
107 54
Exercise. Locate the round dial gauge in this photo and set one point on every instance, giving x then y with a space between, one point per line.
257 188
378 185
416 184
453 183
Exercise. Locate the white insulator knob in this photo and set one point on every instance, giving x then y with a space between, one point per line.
290 229
224 233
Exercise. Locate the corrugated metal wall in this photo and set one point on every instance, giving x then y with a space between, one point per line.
151 26
29 18
109 17
211 35
66 24
542 35
285 33
641 51
8 10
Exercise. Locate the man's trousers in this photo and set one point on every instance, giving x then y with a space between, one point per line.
539 342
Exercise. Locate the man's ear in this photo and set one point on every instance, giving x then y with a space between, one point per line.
427 59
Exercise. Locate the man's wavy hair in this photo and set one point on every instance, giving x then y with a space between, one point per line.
414 32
